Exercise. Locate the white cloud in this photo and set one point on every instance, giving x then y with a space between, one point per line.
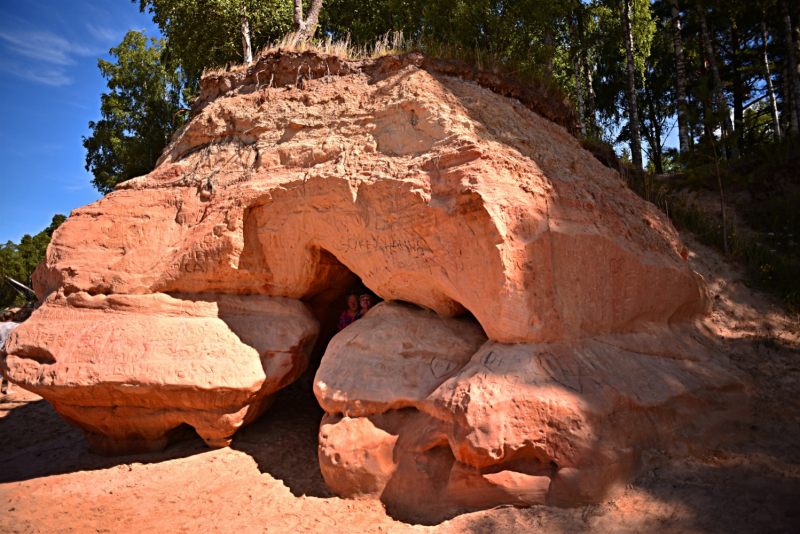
44 46
104 33
45 75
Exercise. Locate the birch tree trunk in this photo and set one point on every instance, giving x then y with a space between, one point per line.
768 77
577 64
299 23
683 121
633 112
247 53
790 54
306 28
738 89
726 120
587 78
789 111
548 43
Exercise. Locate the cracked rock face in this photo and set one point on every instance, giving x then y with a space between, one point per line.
130 370
547 331
527 423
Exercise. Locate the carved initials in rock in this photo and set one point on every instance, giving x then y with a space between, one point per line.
194 267
554 369
506 362
441 367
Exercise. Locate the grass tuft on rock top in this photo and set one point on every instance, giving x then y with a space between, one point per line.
484 60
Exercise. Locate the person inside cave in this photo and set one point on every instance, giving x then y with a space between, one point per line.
351 313
366 303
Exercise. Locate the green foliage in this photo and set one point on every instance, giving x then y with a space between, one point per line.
513 32
756 128
658 95
18 261
670 162
643 28
711 147
771 260
137 115
206 34
766 241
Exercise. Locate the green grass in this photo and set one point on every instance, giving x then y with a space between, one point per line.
772 269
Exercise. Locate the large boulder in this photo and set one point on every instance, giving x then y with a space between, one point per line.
522 424
551 328
393 358
132 370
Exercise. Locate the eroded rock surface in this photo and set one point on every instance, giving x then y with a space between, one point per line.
520 424
131 370
456 192
393 358
432 189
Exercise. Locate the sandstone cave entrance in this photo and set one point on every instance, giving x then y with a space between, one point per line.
328 300
283 442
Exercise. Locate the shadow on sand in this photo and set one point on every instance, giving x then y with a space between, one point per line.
284 441
35 442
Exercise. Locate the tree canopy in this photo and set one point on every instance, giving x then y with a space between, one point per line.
578 46
535 37
138 114
18 261
202 34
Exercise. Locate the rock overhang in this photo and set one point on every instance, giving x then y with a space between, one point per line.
435 188
494 170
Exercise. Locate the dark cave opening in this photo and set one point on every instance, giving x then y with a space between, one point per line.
328 300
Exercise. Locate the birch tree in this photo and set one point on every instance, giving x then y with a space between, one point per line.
633 112
587 74
306 28
577 65
772 102
712 62
683 122
247 53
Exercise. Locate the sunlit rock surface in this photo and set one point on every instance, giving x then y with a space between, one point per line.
548 331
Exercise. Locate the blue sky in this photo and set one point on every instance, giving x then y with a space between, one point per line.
49 90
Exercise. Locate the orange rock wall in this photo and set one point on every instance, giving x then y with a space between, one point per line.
431 189
551 334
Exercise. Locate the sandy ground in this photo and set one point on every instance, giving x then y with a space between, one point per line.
269 481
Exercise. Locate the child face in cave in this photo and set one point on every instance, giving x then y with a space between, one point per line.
352 304
366 303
